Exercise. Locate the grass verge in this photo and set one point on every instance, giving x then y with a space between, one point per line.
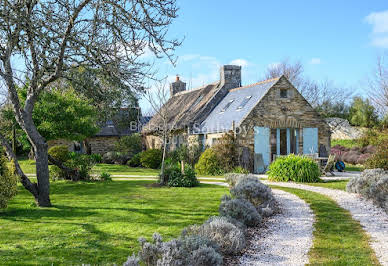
333 184
338 239
98 223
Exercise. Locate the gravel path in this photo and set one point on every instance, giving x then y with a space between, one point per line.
373 219
287 236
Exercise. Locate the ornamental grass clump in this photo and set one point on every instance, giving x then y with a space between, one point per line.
371 184
294 168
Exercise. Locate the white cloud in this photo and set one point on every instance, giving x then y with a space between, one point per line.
379 22
315 61
380 41
239 62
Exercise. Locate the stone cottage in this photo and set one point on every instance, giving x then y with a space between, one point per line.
269 118
107 136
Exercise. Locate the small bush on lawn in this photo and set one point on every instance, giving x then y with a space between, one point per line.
294 168
8 182
135 160
81 162
151 158
251 189
209 163
129 145
60 153
191 250
241 210
371 184
175 178
229 237
104 176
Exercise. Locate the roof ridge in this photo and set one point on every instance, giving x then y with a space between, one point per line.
254 84
196 89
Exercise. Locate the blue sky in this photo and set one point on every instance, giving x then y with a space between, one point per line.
335 40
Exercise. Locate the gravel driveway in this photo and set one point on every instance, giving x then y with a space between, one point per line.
287 237
373 219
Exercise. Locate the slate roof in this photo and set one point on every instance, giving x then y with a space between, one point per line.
186 108
221 121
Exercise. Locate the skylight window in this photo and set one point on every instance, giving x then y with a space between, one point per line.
227 106
244 102
197 101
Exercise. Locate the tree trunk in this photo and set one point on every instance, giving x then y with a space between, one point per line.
42 174
163 180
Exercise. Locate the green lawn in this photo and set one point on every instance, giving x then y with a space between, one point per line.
28 167
352 167
98 223
338 239
348 143
333 184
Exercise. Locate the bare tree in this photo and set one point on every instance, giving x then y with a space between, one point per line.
43 40
291 70
162 112
378 84
316 93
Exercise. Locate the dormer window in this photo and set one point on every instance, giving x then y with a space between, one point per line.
283 93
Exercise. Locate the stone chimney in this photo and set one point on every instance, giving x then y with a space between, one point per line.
177 86
230 76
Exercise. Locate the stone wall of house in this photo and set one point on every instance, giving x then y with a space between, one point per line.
101 145
276 112
56 142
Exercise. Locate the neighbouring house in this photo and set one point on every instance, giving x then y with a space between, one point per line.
268 118
110 132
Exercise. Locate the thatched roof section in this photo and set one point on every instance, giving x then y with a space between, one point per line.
188 107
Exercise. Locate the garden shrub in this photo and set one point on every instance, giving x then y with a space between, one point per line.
104 176
294 168
129 145
175 178
227 150
229 238
132 261
209 163
113 157
190 250
135 160
60 153
233 178
81 162
259 195
240 170
380 158
371 184
151 158
97 157
8 182
241 210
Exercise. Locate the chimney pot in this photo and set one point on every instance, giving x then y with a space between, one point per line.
177 77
